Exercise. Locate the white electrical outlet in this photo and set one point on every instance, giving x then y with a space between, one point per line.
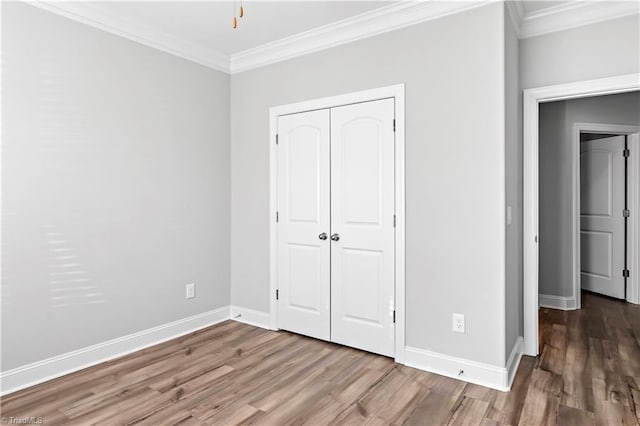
509 218
458 323
191 291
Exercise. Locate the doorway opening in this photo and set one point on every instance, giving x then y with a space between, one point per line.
546 195
585 198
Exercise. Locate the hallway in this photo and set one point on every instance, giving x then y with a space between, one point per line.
589 365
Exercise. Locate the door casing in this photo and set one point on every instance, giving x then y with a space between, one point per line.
398 93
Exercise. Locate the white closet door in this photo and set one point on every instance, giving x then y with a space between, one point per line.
362 209
601 216
303 210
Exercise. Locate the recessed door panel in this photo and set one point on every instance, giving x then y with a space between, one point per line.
361 171
362 251
596 186
361 286
602 240
595 253
303 163
303 258
305 278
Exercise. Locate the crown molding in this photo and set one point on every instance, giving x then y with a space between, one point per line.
574 14
368 24
378 21
89 14
516 13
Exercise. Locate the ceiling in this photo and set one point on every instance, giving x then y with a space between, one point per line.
209 23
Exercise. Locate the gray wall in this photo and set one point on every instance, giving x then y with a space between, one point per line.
556 170
600 50
513 168
115 186
453 69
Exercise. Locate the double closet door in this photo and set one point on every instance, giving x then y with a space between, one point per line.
335 231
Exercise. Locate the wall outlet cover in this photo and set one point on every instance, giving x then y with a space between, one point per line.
190 291
458 323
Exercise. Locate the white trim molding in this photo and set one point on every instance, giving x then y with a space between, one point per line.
574 14
479 373
557 302
378 21
398 93
51 368
251 317
531 102
89 14
513 362
516 14
633 191
368 24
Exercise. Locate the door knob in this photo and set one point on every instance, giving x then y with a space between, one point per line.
335 237
323 236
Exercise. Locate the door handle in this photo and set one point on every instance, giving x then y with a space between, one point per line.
323 236
335 237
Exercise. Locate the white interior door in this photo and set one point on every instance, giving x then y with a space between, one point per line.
362 226
303 273
602 239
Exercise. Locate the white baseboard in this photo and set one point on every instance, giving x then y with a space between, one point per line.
557 302
251 317
482 374
41 371
47 369
514 360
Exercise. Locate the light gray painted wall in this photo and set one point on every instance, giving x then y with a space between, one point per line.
594 51
555 164
115 186
513 140
453 69
556 137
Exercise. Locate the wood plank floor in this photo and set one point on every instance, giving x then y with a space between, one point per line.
588 373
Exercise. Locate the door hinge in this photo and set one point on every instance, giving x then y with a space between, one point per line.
277 294
626 213
394 124
626 152
625 273
276 139
277 217
394 220
394 316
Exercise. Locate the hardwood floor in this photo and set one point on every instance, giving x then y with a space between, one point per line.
588 373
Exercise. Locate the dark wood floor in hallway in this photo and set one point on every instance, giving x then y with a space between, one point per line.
232 373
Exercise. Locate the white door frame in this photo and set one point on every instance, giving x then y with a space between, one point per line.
532 98
614 129
397 92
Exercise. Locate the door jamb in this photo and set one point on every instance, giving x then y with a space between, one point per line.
633 233
398 92
531 101
615 129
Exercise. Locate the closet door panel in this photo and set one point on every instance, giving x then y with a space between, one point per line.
303 216
362 209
